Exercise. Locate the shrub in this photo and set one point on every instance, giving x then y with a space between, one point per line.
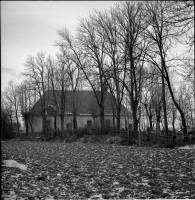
94 138
84 139
171 145
68 140
123 142
80 133
72 138
113 140
133 142
57 133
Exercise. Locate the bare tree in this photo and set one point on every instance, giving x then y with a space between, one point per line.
27 97
161 33
158 104
93 47
7 118
11 95
131 28
59 82
36 71
172 113
75 78
154 88
93 109
185 101
187 72
74 64
52 77
181 16
148 94
116 60
86 58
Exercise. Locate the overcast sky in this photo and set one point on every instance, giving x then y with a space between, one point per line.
28 27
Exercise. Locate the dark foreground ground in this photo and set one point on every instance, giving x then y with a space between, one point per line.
75 170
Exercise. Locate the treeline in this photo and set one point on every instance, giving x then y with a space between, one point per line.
129 51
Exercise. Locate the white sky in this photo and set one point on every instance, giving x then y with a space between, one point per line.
28 27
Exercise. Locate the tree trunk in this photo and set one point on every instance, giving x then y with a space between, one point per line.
30 125
74 122
149 116
62 122
18 125
27 127
11 128
164 105
113 121
194 95
166 76
191 113
135 125
113 117
102 117
135 120
44 125
139 120
55 123
173 124
118 118
150 120
179 109
94 122
158 124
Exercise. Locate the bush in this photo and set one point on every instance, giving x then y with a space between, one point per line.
84 139
80 133
72 138
170 145
68 140
94 138
123 142
57 133
113 140
133 142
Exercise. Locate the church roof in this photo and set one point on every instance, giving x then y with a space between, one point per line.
85 103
